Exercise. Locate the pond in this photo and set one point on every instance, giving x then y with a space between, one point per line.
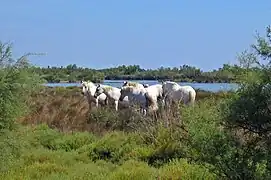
213 87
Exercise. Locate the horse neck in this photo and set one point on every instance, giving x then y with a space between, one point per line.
91 89
186 88
138 90
174 85
156 87
107 90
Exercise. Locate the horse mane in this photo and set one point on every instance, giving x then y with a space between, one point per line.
128 88
89 83
106 87
134 84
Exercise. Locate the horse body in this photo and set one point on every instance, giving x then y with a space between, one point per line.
88 89
112 93
173 92
153 94
136 95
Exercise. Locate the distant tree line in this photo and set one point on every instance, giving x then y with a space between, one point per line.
184 73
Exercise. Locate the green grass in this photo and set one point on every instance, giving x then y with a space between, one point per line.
48 154
71 143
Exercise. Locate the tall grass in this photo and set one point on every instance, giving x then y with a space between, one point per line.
67 110
61 139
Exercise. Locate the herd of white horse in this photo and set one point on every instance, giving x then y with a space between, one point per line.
132 93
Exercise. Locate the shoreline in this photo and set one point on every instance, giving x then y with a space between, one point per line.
118 81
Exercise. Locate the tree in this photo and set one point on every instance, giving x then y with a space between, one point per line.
249 109
17 81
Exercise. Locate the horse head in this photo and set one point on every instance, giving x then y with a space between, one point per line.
123 92
124 83
84 87
146 85
98 91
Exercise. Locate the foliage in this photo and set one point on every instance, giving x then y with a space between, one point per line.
40 161
184 73
248 112
223 136
17 82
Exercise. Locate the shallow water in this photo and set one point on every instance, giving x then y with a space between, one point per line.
213 87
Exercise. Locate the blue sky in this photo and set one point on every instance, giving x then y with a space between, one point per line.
151 33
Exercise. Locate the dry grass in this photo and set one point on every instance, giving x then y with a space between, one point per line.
67 110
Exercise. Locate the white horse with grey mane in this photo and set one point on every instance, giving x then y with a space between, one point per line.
88 90
113 94
154 93
136 95
173 92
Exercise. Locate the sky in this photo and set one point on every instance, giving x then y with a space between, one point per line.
149 33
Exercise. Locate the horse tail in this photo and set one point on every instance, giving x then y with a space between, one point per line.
148 101
192 97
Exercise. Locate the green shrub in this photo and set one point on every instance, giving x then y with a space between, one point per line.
181 169
140 153
133 170
99 170
56 157
46 136
10 150
17 82
74 141
167 144
113 146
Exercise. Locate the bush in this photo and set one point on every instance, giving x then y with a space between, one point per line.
133 170
113 147
181 169
54 140
17 83
167 144
10 150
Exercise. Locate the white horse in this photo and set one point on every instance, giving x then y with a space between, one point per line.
88 90
173 92
136 95
112 93
153 93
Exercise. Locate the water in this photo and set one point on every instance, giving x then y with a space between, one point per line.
213 87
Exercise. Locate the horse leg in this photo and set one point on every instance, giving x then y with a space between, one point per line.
97 103
116 105
106 101
144 112
89 105
141 110
89 102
